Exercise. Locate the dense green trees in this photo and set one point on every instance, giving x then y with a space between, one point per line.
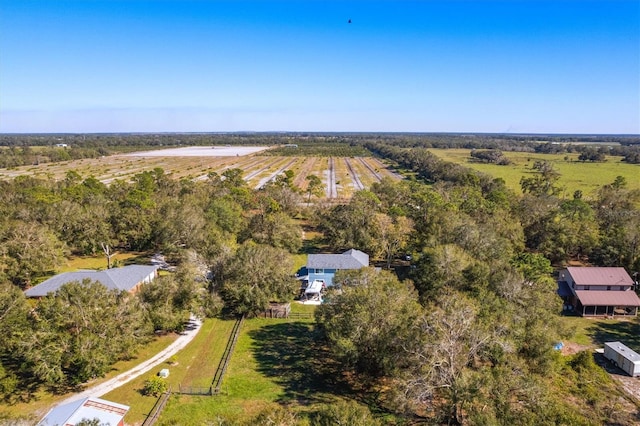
478 348
619 220
64 340
315 187
368 321
169 300
14 326
28 250
437 355
543 181
600 230
254 276
350 225
448 339
489 156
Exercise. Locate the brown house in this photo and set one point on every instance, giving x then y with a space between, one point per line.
591 291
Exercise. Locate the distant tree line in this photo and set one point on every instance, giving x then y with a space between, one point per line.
14 156
317 144
320 149
605 230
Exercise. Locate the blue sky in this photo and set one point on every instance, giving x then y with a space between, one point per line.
416 66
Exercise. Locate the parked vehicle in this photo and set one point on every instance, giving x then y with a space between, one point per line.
623 357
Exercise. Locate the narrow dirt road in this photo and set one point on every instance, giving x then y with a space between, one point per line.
192 329
368 166
357 183
332 189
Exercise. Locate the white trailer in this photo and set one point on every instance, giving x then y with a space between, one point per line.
623 357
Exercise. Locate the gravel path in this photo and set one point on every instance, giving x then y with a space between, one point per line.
332 189
368 166
357 183
272 176
192 329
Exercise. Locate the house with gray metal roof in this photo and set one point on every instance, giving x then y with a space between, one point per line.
323 267
592 291
107 413
128 278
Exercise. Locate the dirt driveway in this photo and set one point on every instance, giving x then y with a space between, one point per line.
190 332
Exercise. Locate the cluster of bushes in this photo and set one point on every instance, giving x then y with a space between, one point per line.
493 156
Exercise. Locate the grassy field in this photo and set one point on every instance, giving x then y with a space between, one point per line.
100 261
275 363
587 177
195 366
593 332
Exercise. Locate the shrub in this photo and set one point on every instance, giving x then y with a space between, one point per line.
275 416
345 413
154 386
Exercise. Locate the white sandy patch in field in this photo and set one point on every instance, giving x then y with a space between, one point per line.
201 151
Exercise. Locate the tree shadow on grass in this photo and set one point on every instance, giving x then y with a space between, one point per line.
140 258
290 353
627 332
313 245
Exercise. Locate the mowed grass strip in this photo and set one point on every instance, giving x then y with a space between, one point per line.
343 180
203 364
198 359
574 175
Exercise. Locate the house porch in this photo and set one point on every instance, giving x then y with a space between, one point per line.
596 310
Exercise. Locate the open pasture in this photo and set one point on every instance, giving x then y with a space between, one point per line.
276 362
574 175
341 175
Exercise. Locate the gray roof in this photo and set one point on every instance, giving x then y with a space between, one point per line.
124 278
350 259
107 412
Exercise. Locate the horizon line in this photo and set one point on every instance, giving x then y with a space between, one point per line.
314 132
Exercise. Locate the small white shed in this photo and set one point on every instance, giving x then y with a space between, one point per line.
164 373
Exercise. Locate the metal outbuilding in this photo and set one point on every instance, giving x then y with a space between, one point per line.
623 357
107 413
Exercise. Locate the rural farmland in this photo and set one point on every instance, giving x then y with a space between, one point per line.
340 175
574 175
